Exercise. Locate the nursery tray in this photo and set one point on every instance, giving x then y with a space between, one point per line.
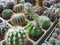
48 37
47 32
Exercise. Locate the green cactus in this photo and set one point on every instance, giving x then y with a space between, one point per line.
10 4
18 19
45 21
33 30
7 13
18 8
28 15
16 37
3 29
2 7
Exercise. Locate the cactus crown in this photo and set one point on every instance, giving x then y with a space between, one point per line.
16 36
7 13
18 8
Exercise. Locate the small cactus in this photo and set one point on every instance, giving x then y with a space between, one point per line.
2 7
52 40
58 37
18 8
54 35
37 9
45 21
16 36
57 30
28 15
7 13
18 19
3 29
33 30
10 4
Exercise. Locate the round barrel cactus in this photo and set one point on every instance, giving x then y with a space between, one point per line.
45 21
3 28
18 19
18 8
16 36
10 4
2 7
33 30
7 13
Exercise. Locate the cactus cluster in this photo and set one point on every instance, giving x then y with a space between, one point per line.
18 19
3 29
7 13
16 36
10 4
18 8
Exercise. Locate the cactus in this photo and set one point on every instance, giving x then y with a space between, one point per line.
10 4
52 40
7 13
33 30
2 7
28 15
57 30
54 35
45 21
18 8
3 29
18 19
31 1
16 36
20 1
